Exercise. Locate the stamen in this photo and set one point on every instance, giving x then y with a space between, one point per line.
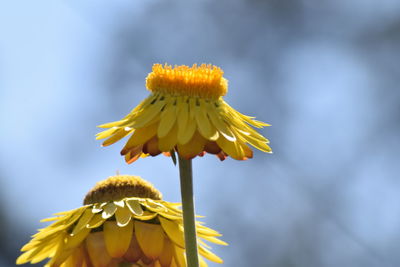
203 81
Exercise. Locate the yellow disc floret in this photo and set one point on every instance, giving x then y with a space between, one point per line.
203 81
119 187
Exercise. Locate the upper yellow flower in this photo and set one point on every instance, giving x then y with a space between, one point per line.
186 112
123 221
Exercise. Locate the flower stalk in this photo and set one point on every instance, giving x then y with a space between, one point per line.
186 178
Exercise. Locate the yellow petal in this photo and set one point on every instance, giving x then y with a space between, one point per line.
202 262
140 136
134 206
150 238
121 133
83 221
183 112
179 256
233 149
167 119
170 215
108 210
146 216
186 131
174 232
96 208
192 107
151 112
168 142
106 133
202 230
96 249
41 251
167 253
123 216
213 240
71 244
75 240
69 219
261 145
112 124
219 123
96 221
117 238
247 119
50 219
134 252
75 259
209 255
192 148
206 129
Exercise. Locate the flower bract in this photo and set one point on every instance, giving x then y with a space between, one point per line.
123 222
185 112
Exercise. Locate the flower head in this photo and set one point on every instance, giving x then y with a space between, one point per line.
186 112
123 220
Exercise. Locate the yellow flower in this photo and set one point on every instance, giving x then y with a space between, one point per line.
186 112
123 221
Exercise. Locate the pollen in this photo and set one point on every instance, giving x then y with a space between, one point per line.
121 186
204 81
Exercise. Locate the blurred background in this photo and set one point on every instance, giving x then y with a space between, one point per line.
325 74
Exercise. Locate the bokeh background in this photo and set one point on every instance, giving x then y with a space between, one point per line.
325 74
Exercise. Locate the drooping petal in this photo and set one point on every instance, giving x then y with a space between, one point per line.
75 259
118 135
204 126
231 148
150 238
134 206
179 256
168 142
209 255
167 119
151 147
71 244
212 148
39 252
192 148
186 133
133 154
97 250
139 137
83 221
220 124
173 231
213 240
150 114
202 262
117 238
134 252
96 221
167 253
182 113
108 210
122 216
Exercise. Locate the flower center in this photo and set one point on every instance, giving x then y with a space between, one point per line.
119 187
204 81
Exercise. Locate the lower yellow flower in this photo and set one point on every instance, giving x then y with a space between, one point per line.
186 112
123 222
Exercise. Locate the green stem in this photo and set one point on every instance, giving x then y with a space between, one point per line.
189 223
